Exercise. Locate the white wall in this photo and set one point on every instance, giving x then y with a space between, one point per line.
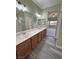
59 32
53 8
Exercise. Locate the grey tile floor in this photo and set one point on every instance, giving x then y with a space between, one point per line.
46 48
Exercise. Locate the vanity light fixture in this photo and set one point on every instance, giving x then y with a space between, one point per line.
37 15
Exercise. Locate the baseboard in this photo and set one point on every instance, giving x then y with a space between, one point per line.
58 46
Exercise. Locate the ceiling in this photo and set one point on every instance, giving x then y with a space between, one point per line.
46 3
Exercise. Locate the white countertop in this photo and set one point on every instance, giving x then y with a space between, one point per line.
28 34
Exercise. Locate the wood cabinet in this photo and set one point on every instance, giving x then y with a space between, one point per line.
34 41
39 36
43 34
23 49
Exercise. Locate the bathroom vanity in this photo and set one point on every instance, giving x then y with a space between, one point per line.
28 41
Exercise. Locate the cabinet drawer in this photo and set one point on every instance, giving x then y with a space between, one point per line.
23 49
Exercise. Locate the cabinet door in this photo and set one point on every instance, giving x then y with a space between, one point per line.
40 36
44 33
34 41
23 49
